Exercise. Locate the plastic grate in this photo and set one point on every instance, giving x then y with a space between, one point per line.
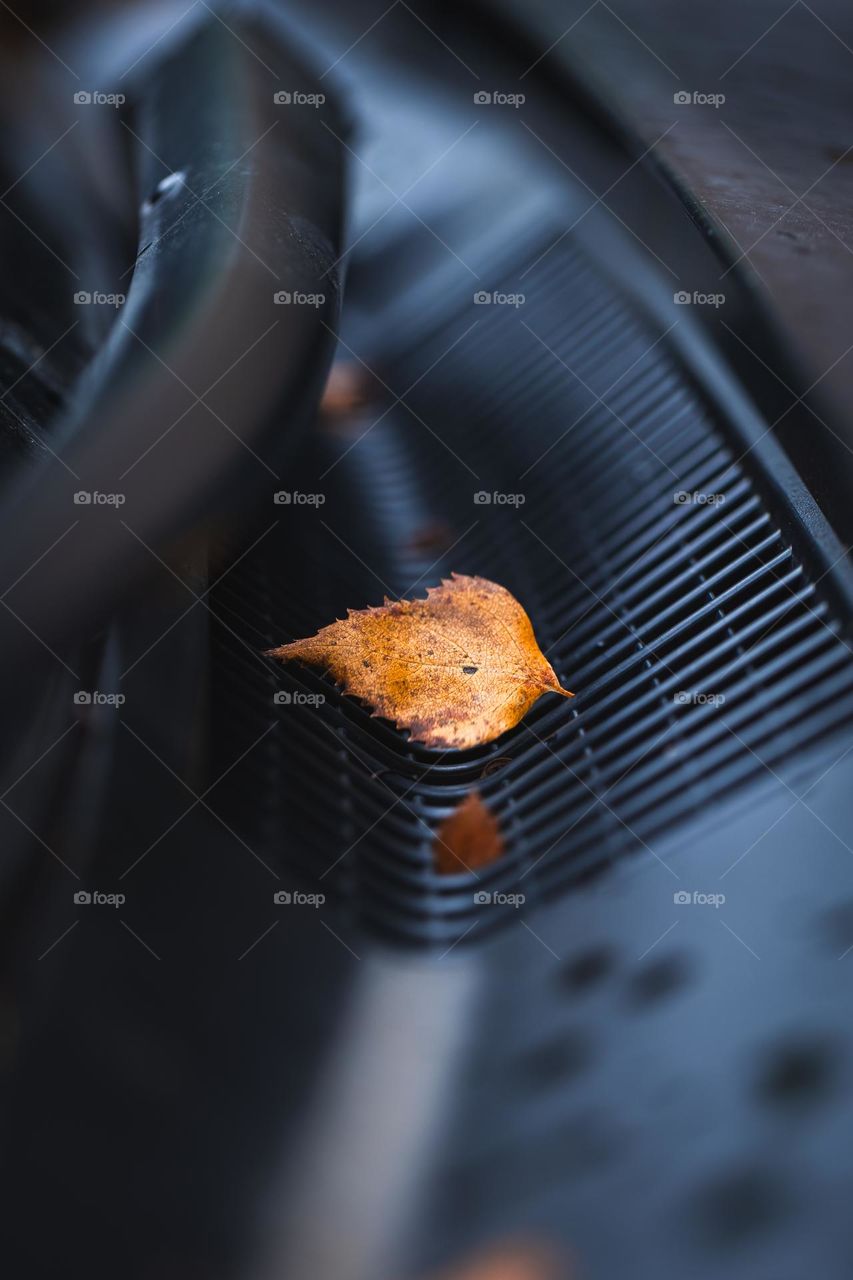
635 597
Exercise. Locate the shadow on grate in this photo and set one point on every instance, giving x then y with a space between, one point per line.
561 450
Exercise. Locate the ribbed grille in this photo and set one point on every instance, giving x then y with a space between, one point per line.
634 597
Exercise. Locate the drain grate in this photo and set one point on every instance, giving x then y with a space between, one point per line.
690 630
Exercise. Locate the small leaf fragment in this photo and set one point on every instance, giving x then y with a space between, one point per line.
468 838
348 389
456 669
511 1261
431 539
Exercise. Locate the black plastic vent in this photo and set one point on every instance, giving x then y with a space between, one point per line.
688 627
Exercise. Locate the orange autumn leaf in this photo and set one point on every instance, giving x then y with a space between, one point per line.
456 669
348 389
510 1261
468 838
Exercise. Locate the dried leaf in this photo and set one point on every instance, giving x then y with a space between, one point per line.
456 669
468 838
349 390
510 1261
432 540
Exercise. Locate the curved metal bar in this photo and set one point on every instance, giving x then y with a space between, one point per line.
195 400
